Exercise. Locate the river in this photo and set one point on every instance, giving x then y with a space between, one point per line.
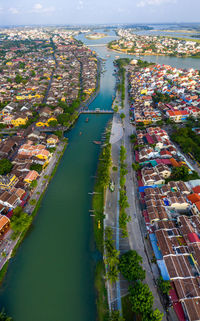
51 278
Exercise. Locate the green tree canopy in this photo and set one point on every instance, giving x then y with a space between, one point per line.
33 184
4 317
63 119
130 267
155 315
53 123
141 298
122 116
5 166
115 316
20 221
36 167
163 285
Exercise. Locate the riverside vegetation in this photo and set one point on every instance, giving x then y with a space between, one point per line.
102 182
123 199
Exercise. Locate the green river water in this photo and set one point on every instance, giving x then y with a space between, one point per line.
51 278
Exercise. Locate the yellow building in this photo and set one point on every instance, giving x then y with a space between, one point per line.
45 122
31 176
18 121
8 181
52 140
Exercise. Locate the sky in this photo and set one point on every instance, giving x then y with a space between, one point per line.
26 12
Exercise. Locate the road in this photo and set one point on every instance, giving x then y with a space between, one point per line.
136 227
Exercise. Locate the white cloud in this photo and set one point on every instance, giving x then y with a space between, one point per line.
80 5
38 8
13 10
143 3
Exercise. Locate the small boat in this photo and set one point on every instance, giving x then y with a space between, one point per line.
87 119
117 57
80 133
97 142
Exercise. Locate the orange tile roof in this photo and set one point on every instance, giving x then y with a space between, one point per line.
196 189
3 221
198 205
32 175
193 198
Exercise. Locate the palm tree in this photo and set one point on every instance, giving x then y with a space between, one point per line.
4 317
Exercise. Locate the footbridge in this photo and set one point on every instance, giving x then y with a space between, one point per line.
96 111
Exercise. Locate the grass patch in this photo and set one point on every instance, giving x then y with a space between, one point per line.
98 207
102 302
128 314
3 271
56 166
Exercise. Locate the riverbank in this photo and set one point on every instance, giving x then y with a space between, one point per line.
98 203
32 210
124 51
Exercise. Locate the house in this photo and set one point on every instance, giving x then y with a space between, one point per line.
58 111
193 198
19 120
31 176
44 121
46 111
4 224
52 140
10 200
196 208
8 181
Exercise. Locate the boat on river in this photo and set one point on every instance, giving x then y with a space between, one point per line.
87 119
97 142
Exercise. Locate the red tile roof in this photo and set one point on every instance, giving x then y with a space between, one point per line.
193 198
193 238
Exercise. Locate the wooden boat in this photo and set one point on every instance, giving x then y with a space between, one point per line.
97 142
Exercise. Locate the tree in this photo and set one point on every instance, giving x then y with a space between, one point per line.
136 166
53 123
63 119
4 317
115 108
36 167
112 257
180 173
129 266
155 315
115 316
122 116
58 133
122 154
5 166
20 222
133 138
141 298
163 285
33 184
